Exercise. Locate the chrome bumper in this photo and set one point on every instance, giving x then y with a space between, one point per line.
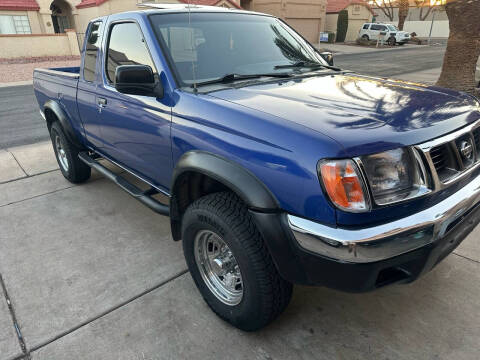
387 240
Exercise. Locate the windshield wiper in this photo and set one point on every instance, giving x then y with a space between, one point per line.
234 77
305 64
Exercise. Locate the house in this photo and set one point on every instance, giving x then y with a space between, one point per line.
359 12
305 16
36 28
423 16
55 16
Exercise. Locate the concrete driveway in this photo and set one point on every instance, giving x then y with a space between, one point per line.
93 274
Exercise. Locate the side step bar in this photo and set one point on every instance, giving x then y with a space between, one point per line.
144 197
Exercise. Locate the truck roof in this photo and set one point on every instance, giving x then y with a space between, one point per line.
186 8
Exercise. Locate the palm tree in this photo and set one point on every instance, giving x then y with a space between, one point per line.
403 7
463 47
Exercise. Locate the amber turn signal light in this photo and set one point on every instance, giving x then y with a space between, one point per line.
344 185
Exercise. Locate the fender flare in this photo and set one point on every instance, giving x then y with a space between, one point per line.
62 117
232 175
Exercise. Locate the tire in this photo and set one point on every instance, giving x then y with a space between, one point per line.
365 37
264 294
391 41
72 168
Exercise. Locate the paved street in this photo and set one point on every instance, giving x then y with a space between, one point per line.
21 124
392 63
92 274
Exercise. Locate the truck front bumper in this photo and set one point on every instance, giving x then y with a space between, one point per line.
364 259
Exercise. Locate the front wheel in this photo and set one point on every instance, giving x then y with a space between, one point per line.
391 41
230 264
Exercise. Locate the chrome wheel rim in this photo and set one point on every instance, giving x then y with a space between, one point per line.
61 154
218 267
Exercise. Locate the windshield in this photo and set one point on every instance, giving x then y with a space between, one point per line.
392 28
212 45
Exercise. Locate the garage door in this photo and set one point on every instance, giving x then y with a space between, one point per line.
309 28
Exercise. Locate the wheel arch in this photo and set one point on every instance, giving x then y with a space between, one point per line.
199 173
54 112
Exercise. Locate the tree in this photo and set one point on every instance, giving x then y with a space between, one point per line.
342 25
463 46
429 4
403 7
386 6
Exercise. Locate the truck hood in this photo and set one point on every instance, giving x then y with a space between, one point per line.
363 114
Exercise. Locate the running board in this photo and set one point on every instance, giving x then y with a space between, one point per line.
144 197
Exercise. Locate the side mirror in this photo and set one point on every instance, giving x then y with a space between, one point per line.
137 80
328 57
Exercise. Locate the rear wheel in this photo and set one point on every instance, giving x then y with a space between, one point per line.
72 168
230 264
365 37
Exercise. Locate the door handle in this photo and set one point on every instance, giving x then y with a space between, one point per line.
101 102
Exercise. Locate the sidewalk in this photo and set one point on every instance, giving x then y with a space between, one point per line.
93 274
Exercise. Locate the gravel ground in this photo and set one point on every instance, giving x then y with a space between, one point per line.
23 72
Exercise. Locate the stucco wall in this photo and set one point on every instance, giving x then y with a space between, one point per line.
422 28
357 16
356 19
15 46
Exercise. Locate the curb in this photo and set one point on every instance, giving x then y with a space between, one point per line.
16 83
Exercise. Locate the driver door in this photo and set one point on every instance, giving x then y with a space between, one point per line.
135 129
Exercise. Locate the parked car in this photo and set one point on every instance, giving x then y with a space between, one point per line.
279 168
389 32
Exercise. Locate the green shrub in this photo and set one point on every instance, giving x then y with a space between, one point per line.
342 25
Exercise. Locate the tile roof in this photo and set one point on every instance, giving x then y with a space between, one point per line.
19 5
210 2
89 3
335 6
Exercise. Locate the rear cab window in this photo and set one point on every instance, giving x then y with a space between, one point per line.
91 51
366 26
126 46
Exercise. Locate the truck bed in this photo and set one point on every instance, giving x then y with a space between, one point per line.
60 85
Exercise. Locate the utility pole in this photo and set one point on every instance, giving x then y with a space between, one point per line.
431 25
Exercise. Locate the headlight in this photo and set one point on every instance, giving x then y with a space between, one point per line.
395 175
344 184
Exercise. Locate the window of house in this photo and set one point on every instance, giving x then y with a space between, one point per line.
356 9
14 24
91 50
126 46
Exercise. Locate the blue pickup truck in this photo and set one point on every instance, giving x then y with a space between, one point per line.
279 168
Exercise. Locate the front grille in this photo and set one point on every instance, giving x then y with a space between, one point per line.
456 155
476 138
439 157
443 159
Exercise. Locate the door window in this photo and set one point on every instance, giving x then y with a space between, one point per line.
90 59
126 46
376 27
